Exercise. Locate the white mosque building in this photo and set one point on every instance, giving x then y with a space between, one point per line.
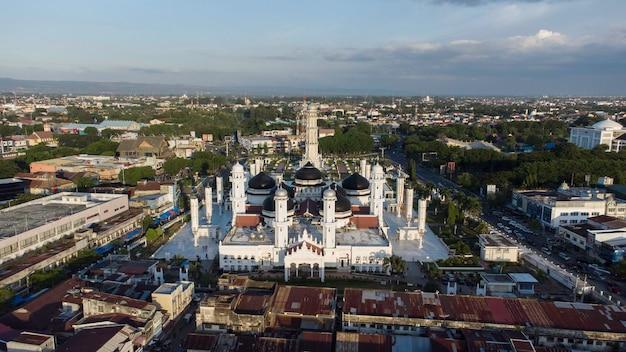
307 225
608 132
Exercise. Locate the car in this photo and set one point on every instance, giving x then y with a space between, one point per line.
615 289
564 256
532 243
546 250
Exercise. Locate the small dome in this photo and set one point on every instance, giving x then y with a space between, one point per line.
338 190
281 193
355 182
262 181
269 204
377 169
329 193
237 167
308 172
607 124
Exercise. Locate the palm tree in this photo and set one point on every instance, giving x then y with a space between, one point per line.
394 264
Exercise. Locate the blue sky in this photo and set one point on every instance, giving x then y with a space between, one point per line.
419 47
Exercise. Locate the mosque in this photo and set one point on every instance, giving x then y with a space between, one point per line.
307 225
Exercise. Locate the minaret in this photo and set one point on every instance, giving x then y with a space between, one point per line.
421 215
208 203
328 222
409 205
362 167
421 221
311 152
193 200
281 222
219 192
399 192
377 197
238 190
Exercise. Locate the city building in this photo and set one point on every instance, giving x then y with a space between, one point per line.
567 206
550 324
607 132
496 248
173 298
144 146
28 226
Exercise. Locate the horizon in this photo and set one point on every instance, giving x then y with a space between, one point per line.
410 47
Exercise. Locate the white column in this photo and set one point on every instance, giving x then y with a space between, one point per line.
328 222
409 205
208 204
219 185
421 215
322 271
286 273
281 221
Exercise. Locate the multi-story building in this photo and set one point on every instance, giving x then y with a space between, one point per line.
174 298
586 326
567 206
606 132
29 226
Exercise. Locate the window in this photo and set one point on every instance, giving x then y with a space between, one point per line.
564 214
595 213
562 221
573 222
584 213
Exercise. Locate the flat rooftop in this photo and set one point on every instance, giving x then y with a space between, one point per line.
497 241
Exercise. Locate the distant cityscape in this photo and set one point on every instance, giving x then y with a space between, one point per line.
172 218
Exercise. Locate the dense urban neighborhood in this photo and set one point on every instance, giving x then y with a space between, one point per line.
324 223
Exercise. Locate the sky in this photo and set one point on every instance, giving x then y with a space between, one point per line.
414 47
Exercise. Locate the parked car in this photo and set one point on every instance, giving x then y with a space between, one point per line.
616 289
546 250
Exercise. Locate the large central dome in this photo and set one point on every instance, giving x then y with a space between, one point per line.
308 172
355 182
262 181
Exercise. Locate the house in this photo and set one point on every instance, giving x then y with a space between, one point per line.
30 341
37 137
119 338
147 146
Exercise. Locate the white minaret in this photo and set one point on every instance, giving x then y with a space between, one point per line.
258 167
399 192
409 205
328 222
311 152
422 204
219 191
362 167
367 172
208 203
193 200
281 222
377 197
238 190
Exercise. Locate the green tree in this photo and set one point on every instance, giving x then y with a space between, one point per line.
132 175
174 166
100 147
85 183
394 264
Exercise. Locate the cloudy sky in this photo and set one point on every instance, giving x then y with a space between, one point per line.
418 47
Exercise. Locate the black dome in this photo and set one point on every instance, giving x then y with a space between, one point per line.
355 182
269 204
339 191
262 181
308 172
342 204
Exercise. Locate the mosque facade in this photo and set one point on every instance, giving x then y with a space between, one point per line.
304 226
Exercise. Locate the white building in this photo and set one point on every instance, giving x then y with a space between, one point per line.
306 225
607 132
567 206
29 226
496 248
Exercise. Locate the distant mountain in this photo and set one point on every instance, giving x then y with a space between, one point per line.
8 85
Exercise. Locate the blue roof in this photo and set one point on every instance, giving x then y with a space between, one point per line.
134 233
168 214
115 123
103 249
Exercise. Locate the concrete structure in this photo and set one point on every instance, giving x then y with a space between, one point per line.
29 226
311 152
173 298
567 206
606 132
596 327
496 248
30 341
107 167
